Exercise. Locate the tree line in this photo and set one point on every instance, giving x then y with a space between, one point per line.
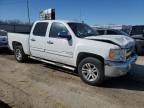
14 22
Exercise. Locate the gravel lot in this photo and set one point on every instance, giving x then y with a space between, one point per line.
39 85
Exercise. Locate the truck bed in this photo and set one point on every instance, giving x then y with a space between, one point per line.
23 39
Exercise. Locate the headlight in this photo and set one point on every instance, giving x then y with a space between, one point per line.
117 54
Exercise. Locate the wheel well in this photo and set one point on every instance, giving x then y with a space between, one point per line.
14 44
83 55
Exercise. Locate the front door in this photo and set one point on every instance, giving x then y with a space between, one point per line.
57 48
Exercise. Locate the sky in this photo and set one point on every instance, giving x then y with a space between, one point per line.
91 11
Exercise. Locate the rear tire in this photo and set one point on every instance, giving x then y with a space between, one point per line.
91 71
20 56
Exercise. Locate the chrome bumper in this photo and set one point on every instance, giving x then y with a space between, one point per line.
115 69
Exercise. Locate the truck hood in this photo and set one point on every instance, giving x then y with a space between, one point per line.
120 40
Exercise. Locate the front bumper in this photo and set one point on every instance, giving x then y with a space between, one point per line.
115 69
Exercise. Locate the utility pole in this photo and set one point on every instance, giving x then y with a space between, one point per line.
80 15
28 11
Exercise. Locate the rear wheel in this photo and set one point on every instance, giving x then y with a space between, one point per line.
91 71
19 54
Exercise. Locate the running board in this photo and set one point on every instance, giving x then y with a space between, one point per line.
53 63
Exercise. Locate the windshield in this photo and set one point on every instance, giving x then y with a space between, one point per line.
82 30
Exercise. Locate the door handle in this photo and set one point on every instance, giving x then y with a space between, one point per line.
50 42
33 39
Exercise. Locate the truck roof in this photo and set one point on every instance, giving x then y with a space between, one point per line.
65 21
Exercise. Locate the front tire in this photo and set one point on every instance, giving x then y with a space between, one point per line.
91 71
19 54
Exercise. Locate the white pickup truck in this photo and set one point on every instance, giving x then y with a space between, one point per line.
75 46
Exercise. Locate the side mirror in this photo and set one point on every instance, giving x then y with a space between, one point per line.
64 35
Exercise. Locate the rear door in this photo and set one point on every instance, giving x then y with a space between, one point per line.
37 39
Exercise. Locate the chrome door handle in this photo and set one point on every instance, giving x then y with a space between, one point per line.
33 39
50 42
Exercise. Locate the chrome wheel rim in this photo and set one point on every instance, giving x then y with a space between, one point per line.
90 72
18 54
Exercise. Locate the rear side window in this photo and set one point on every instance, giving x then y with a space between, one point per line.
40 29
57 28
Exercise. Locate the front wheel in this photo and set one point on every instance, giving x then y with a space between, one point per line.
19 54
91 71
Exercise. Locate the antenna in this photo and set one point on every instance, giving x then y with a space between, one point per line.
80 15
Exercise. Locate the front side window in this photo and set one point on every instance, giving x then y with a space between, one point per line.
40 29
57 28
82 30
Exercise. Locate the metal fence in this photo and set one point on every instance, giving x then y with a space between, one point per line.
16 28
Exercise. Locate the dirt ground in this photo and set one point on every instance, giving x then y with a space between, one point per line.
39 85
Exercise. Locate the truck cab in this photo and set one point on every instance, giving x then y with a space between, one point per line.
52 40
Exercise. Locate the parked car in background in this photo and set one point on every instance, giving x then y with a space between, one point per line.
137 32
110 32
124 28
3 39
